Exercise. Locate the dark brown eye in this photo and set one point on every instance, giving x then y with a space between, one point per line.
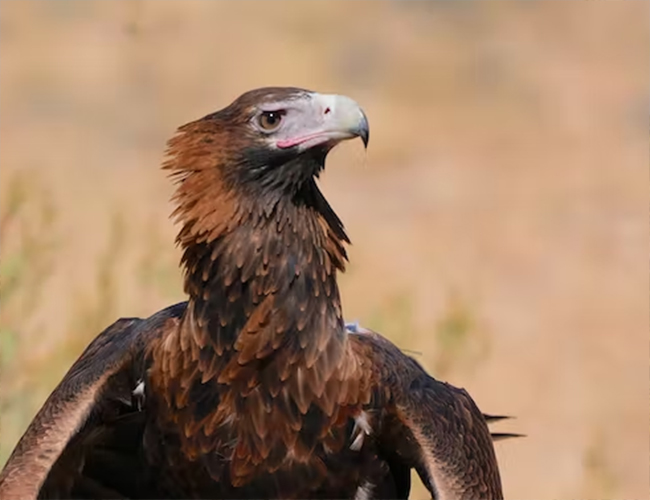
270 120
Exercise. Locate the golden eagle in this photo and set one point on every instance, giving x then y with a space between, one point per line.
254 387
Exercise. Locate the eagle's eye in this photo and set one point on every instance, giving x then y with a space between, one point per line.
270 120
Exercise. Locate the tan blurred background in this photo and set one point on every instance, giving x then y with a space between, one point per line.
499 218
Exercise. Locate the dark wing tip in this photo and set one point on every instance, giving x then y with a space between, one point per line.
499 436
496 418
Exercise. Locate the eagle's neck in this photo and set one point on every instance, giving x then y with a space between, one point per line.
260 272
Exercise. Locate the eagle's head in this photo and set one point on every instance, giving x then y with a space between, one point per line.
257 155
268 139
286 119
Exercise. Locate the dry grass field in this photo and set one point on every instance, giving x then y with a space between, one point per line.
498 219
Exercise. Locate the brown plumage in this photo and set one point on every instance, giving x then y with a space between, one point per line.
254 387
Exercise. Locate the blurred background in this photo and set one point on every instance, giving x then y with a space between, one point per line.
498 219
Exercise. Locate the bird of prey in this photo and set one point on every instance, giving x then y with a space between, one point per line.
254 387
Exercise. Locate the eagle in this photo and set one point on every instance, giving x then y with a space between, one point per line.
254 387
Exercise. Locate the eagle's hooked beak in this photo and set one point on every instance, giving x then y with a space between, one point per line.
335 118
344 118
363 130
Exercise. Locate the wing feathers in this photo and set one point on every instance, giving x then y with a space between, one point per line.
431 426
455 456
50 455
62 415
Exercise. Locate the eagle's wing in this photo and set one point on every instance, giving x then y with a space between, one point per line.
83 440
428 425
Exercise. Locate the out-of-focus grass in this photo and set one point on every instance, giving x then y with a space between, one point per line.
455 340
393 318
460 342
94 311
599 480
158 270
27 248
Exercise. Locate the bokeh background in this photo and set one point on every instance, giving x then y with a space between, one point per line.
499 217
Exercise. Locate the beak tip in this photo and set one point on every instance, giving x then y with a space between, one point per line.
364 130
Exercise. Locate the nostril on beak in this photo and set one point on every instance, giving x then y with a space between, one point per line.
327 110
